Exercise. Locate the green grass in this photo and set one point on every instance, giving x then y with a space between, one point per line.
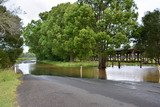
72 64
8 84
89 64
19 60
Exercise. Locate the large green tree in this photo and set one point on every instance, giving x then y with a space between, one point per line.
95 27
97 5
10 40
59 31
32 37
44 37
148 35
115 21
53 31
77 19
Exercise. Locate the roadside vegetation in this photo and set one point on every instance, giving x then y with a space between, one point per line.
10 36
9 81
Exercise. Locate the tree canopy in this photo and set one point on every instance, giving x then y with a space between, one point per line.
82 30
58 31
148 35
115 22
10 40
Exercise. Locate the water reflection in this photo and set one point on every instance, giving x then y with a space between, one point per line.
25 67
126 73
152 77
102 74
43 69
133 73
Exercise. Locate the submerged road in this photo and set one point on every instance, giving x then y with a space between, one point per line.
52 91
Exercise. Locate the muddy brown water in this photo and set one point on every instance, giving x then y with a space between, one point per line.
125 73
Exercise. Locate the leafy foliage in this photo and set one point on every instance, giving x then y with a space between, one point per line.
85 43
55 33
148 35
82 30
115 22
78 19
10 40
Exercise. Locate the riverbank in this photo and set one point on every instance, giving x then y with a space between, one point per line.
19 60
89 64
71 64
8 85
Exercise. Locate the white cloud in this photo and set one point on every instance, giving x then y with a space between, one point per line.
146 5
34 7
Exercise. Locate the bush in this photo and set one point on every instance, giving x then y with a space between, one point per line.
4 59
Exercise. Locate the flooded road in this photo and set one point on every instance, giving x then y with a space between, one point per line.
125 73
55 91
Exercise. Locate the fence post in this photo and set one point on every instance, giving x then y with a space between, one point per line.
81 74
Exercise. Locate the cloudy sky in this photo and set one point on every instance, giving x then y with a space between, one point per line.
33 7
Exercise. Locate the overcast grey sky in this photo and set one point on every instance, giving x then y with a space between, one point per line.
34 7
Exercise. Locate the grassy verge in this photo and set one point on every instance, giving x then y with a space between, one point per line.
8 84
72 64
89 64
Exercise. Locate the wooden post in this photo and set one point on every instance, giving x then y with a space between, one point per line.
159 72
138 56
129 57
81 74
15 68
110 57
140 64
116 57
140 61
119 64
112 64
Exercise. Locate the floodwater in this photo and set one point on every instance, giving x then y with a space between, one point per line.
125 73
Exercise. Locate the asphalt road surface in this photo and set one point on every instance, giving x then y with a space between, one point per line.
52 91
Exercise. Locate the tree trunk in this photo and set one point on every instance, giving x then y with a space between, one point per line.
71 58
102 62
102 67
159 71
102 74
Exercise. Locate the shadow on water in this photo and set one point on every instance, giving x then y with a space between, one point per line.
152 77
102 74
134 73
43 69
126 73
